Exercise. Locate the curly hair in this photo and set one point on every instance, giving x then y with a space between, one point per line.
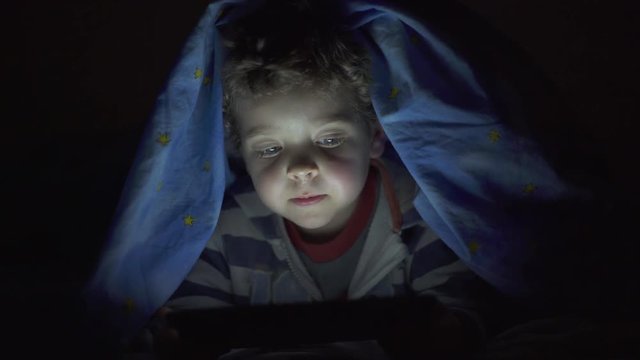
290 45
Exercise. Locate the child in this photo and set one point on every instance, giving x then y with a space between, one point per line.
317 206
325 208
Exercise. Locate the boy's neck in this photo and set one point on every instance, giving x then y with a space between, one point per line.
318 238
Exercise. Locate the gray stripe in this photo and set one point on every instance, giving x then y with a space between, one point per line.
216 260
206 275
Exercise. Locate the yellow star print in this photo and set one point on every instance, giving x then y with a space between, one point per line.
198 73
129 305
159 186
394 92
207 80
494 136
473 247
529 189
164 139
207 166
189 220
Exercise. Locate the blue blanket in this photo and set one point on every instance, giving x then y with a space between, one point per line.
483 186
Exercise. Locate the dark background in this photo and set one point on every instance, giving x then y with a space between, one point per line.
80 79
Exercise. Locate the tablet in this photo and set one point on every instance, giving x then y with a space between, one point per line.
298 324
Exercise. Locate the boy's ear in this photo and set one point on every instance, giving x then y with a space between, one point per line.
378 141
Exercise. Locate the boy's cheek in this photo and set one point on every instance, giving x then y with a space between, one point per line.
265 176
342 175
346 169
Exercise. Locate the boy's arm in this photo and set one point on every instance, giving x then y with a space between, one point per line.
458 292
207 285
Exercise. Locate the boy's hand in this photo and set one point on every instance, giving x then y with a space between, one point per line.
437 333
168 345
166 340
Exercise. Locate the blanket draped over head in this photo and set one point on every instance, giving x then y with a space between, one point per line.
483 185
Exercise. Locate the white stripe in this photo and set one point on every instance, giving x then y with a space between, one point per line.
236 223
242 279
438 276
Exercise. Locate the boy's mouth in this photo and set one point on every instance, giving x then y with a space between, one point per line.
308 200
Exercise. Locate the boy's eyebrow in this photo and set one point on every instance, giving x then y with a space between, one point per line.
258 130
262 129
335 118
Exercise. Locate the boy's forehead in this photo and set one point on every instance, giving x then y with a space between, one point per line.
308 101
266 127
260 115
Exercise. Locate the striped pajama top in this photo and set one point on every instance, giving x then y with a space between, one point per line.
250 260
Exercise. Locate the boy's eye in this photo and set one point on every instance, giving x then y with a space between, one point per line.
269 152
331 142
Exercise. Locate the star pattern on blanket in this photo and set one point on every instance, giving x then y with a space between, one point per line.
221 12
164 139
206 167
494 136
394 93
189 220
207 80
473 247
129 305
159 185
529 189
197 74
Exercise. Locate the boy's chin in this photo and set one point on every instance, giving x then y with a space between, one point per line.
309 227
307 221
315 227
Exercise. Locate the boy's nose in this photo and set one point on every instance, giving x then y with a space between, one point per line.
303 174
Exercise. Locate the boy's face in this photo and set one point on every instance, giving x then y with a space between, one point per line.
304 144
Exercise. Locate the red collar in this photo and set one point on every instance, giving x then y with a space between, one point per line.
335 248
